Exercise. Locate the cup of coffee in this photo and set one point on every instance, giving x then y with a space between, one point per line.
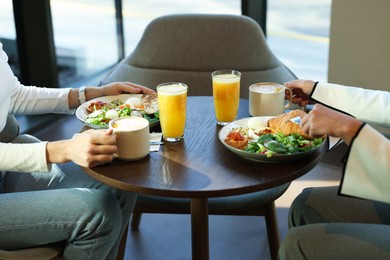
132 137
267 99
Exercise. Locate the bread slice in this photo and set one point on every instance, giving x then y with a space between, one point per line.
283 124
150 103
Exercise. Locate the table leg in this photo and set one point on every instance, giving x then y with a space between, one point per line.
200 228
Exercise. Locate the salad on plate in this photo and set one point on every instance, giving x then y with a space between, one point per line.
269 142
269 138
97 113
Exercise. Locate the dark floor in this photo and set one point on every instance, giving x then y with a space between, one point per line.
166 236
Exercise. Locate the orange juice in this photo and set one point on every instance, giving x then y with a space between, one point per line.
226 92
172 100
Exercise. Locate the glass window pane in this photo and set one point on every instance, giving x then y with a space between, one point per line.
298 33
137 14
8 34
85 37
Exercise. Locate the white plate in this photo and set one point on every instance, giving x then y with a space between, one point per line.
261 121
81 112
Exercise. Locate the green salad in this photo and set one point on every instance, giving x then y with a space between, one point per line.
278 143
102 113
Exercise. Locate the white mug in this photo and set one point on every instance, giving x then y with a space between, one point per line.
267 99
132 137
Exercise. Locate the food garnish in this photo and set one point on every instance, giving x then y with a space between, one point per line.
279 137
100 113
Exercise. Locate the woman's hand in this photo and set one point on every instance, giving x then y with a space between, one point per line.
110 89
88 149
117 88
301 90
324 121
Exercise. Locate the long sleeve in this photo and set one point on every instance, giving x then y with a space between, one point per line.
16 98
367 170
33 100
372 106
29 157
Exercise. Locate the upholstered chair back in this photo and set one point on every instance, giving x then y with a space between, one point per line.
188 47
10 131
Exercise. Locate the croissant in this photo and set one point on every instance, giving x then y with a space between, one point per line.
283 124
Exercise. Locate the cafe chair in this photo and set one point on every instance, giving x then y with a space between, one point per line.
187 48
10 133
53 251
45 252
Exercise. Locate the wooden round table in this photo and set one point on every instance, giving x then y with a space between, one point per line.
200 167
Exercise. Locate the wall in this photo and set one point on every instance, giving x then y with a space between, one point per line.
359 51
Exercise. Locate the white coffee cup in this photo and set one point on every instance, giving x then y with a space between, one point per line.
267 99
132 137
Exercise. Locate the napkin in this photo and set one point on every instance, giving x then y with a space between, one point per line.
155 141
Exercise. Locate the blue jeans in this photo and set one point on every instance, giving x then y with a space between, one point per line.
63 205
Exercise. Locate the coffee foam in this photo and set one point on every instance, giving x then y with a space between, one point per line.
130 124
267 88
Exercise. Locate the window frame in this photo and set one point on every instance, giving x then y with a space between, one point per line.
35 39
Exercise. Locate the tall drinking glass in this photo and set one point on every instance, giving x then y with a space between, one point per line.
172 102
226 93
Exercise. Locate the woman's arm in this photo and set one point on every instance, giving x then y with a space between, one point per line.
23 157
115 88
87 149
367 171
35 100
325 121
365 104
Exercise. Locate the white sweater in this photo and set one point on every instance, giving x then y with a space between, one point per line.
367 171
16 98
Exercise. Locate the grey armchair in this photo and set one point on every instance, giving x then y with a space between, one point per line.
44 252
10 134
187 48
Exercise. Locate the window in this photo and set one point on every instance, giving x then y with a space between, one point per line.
85 37
298 33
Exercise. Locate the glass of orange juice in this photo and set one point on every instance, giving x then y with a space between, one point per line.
226 93
172 102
